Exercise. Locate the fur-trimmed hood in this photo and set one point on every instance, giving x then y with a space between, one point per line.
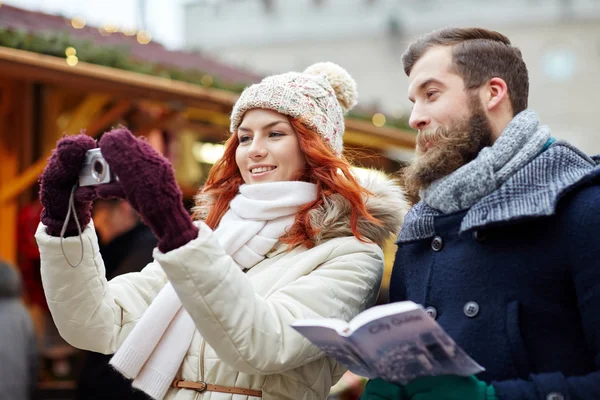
387 203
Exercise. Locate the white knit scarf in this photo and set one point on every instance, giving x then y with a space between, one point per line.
257 217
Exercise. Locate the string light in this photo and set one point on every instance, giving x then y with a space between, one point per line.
128 32
110 28
78 22
144 37
378 120
208 153
70 51
207 80
72 60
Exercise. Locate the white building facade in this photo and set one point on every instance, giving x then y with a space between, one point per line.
559 39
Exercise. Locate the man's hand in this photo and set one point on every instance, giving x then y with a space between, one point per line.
378 389
449 387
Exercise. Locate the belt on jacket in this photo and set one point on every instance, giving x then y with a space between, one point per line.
207 387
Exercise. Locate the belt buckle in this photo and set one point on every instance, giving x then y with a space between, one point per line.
201 389
199 386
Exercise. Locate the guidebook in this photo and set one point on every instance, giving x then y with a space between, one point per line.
397 342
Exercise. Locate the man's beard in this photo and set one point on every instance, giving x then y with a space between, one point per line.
452 148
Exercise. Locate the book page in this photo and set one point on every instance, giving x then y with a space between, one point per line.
337 346
336 324
406 346
381 311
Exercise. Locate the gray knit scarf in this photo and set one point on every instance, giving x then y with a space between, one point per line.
520 142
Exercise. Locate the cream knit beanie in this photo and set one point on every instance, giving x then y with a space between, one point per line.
320 96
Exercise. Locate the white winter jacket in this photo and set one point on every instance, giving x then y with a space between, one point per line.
243 336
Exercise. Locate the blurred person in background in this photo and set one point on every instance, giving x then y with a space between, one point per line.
29 266
126 245
18 344
502 248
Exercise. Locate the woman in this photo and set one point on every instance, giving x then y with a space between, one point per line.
283 231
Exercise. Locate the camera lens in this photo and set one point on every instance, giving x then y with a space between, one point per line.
98 170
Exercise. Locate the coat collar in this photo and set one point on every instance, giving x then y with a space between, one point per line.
534 191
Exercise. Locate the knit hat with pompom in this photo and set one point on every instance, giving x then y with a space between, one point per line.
320 96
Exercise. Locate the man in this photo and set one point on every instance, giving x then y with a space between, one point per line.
18 344
502 249
126 245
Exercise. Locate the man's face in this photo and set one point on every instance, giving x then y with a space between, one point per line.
438 94
452 124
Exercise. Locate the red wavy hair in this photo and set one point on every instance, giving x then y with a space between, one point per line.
330 173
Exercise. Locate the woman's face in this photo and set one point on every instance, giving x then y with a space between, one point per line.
268 150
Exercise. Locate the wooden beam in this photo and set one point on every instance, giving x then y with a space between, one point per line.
14 120
27 139
119 109
210 116
31 174
85 112
97 78
5 100
158 123
207 132
52 100
53 107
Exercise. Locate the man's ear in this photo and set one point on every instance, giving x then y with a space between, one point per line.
496 92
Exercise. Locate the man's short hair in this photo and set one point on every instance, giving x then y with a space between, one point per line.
478 55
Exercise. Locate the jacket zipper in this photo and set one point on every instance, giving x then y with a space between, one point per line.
202 351
201 362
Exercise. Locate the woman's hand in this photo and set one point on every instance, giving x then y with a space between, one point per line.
57 181
149 184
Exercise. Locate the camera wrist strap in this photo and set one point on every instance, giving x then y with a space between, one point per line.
64 228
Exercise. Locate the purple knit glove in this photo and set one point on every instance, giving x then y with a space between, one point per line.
149 184
56 183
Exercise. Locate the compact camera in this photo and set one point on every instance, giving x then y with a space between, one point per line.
95 170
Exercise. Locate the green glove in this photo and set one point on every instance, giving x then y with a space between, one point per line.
449 387
378 389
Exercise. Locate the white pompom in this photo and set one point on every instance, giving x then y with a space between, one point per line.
340 80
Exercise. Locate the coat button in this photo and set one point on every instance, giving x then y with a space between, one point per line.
471 309
431 311
555 396
437 243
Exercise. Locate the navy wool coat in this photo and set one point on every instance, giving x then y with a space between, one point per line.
515 280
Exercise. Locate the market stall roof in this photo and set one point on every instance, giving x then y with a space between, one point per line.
49 69
153 52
